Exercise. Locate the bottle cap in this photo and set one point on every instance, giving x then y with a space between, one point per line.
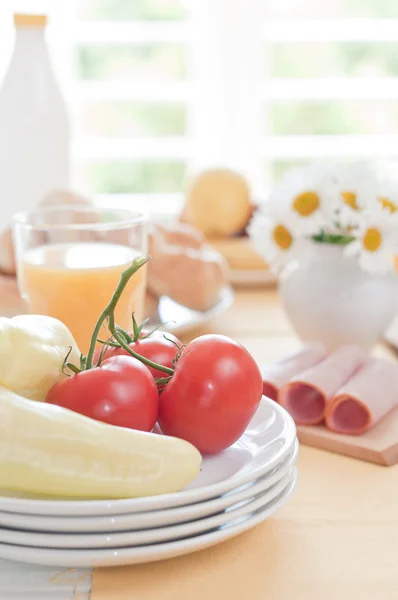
28 20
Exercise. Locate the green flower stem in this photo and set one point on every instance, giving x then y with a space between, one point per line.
332 238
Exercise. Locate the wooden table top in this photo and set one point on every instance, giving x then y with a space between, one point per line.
336 539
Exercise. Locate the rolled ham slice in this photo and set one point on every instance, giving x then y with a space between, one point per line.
278 373
307 395
369 395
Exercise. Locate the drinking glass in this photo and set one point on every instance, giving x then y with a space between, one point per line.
69 261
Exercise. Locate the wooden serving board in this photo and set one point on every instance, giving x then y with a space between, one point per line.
378 445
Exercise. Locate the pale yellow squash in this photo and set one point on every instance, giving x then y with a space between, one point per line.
49 450
32 352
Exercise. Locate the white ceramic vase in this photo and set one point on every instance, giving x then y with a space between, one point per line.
328 297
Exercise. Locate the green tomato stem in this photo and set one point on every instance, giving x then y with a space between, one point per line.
73 368
144 337
136 329
118 333
108 343
109 310
142 359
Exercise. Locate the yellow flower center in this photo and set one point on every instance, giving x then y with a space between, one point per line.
282 237
350 199
372 239
386 203
306 203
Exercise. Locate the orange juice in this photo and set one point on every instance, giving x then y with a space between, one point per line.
74 283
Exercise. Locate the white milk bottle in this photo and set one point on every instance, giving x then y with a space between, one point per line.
34 129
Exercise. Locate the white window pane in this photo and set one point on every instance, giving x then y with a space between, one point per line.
132 177
333 117
354 59
132 9
279 168
149 62
129 119
317 9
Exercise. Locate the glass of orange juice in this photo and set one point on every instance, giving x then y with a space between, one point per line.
69 261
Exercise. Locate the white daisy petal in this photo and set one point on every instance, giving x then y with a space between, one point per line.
358 184
375 239
325 202
308 195
275 241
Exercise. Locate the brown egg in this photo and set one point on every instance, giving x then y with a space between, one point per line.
218 203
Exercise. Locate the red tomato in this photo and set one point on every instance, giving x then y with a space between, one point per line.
121 392
156 348
213 394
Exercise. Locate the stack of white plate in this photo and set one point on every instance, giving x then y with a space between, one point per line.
235 490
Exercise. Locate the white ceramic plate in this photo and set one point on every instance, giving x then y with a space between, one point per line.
141 554
181 319
268 439
146 536
143 520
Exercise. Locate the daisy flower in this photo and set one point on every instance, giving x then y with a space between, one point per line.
357 182
387 203
387 173
310 197
388 194
276 241
347 203
375 239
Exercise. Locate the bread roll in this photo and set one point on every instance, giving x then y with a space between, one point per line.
218 203
239 254
191 277
181 234
151 306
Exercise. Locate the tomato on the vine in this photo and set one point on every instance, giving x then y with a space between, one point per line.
159 347
120 392
213 394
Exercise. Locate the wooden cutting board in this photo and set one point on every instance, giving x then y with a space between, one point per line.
378 445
